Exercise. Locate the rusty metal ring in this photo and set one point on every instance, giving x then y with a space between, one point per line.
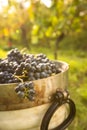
51 110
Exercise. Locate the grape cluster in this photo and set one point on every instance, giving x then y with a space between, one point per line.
15 56
7 72
26 89
36 67
19 66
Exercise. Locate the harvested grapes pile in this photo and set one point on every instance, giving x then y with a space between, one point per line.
19 66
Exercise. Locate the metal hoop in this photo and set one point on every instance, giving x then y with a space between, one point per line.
58 100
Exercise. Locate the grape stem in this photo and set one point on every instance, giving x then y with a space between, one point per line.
19 77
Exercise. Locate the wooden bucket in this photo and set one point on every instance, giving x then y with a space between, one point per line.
22 114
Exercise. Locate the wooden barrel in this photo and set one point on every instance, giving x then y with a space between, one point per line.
22 114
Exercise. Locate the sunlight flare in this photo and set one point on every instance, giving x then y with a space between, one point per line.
47 3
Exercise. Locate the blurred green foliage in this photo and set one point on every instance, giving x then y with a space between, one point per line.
58 31
36 24
77 79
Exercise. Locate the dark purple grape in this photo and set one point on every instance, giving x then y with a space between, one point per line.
38 68
27 66
1 74
31 85
30 74
43 75
37 75
21 94
17 89
31 94
31 78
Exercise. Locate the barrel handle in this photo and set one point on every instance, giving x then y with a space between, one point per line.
59 98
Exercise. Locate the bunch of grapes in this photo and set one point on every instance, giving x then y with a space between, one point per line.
26 90
21 67
15 56
28 67
7 72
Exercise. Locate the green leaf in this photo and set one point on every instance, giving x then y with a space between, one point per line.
83 92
